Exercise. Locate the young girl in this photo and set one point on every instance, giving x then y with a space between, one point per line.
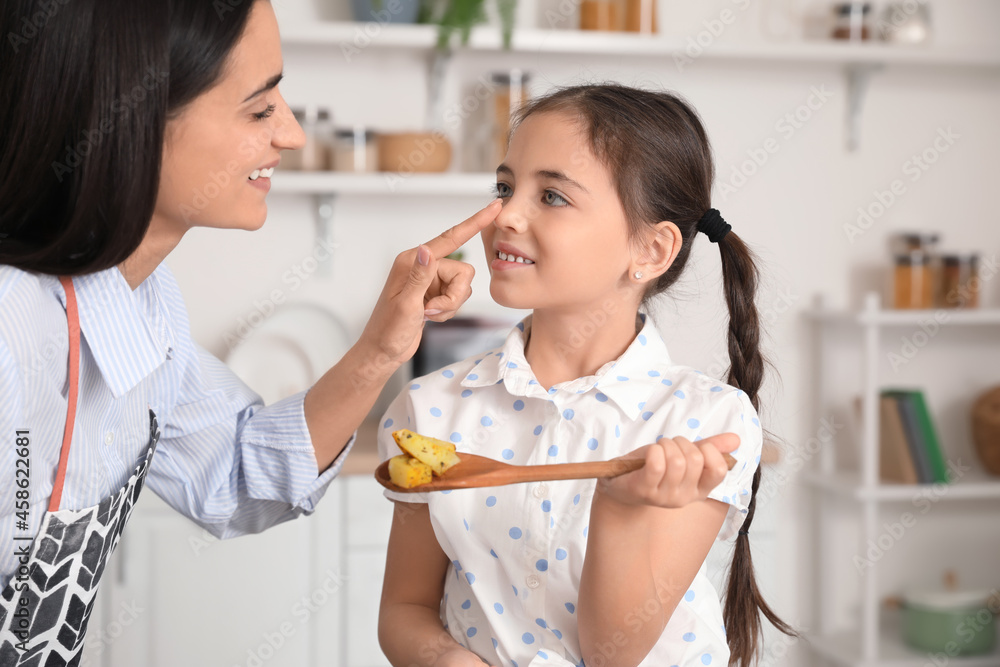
604 191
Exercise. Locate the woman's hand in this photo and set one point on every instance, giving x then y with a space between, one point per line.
423 285
677 472
459 657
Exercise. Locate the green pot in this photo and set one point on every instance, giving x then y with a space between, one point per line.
954 623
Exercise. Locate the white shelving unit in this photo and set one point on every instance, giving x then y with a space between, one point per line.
382 184
872 644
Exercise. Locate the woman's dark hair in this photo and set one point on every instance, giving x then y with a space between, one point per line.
87 88
658 153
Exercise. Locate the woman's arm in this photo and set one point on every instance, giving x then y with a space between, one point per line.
409 626
647 540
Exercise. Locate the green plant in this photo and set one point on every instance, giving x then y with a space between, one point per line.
459 16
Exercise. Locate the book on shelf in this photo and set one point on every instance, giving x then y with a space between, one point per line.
919 434
895 461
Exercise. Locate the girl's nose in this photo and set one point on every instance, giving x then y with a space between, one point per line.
513 216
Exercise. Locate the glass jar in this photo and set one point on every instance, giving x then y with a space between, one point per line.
905 242
510 91
640 16
913 283
600 15
852 21
355 149
318 130
959 281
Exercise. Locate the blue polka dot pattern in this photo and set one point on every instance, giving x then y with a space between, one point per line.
557 633
471 632
436 412
592 444
511 364
540 622
466 393
466 524
542 565
693 423
448 373
603 398
486 421
498 607
546 505
568 413
689 637
647 415
653 374
515 533
507 454
570 607
756 422
495 643
456 437
554 450
642 339
561 554
494 554
491 501
466 604
414 386
473 376
387 424
706 659
528 638
471 578
622 378
716 388
538 430
666 382
679 394
576 499
543 655
519 405
689 596
618 431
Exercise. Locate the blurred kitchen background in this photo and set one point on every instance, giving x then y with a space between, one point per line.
856 149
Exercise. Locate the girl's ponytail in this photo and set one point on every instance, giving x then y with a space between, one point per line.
744 603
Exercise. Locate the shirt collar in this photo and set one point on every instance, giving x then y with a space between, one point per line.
126 330
627 381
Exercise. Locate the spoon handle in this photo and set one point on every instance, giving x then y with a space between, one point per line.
613 468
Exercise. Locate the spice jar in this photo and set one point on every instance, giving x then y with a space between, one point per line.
640 16
355 150
851 21
315 152
905 242
510 91
913 284
959 281
600 15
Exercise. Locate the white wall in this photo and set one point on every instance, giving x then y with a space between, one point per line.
793 210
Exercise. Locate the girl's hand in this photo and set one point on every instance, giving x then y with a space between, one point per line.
422 285
459 657
677 472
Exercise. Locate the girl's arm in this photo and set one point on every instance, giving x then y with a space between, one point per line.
647 539
409 626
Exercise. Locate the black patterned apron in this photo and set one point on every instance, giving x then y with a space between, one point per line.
45 608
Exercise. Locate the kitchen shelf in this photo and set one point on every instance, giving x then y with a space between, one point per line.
906 318
976 486
578 42
845 649
383 184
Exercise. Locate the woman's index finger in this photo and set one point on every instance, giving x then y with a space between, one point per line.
455 237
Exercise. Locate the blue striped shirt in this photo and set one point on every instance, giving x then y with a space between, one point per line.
223 459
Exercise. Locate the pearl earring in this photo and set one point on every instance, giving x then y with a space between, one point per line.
638 275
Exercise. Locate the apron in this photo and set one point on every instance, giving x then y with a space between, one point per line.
45 608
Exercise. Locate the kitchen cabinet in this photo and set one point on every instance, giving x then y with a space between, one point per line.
953 355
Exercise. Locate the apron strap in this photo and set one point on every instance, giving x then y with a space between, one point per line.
73 323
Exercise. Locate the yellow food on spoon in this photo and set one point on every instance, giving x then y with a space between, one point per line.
438 454
407 472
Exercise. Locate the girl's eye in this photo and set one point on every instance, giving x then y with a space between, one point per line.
266 113
502 190
553 199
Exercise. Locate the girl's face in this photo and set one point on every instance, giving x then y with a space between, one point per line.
562 215
219 152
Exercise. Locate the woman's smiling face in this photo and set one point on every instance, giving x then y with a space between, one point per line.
218 152
562 217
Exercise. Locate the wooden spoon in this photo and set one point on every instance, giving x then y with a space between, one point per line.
477 471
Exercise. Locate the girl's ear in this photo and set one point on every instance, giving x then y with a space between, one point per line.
659 250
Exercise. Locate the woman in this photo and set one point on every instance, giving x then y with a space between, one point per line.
126 125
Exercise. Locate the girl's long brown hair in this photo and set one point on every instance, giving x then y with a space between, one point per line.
658 153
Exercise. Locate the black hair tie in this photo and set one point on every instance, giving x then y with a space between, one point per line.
714 227
744 531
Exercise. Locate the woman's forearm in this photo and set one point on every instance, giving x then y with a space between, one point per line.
340 400
622 608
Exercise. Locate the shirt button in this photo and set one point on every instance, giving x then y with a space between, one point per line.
109 438
541 491
533 581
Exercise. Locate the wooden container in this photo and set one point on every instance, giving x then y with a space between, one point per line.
410 152
986 429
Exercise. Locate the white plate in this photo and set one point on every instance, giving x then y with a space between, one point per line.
289 351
